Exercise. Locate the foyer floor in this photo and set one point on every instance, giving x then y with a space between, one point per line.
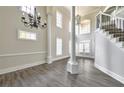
55 75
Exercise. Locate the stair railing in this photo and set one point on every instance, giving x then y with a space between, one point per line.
109 22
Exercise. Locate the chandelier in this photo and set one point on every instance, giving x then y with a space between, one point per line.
78 17
33 20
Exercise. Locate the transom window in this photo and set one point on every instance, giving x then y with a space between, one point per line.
58 46
59 19
85 27
84 46
28 9
26 35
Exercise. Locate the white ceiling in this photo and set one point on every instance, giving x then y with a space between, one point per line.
84 10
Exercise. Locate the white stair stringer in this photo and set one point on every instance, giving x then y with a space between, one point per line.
112 39
120 44
110 36
115 39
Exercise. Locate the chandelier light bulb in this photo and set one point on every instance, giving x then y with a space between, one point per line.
23 13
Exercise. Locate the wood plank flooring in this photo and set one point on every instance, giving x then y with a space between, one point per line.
55 75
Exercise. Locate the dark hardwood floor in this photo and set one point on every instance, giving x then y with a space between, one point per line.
55 75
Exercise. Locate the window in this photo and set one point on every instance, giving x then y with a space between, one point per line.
59 46
84 46
27 35
58 19
81 47
85 27
69 26
28 9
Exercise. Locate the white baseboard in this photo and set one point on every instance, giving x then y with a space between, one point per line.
22 54
59 58
85 56
12 69
110 73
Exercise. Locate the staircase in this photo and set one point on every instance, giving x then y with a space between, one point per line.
112 27
109 45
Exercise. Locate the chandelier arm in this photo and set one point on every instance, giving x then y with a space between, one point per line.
34 20
26 24
40 26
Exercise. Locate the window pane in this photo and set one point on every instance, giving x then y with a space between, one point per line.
84 46
87 47
33 36
85 27
81 47
27 35
59 46
22 35
58 19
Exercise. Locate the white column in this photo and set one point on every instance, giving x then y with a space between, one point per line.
78 41
49 46
72 65
78 20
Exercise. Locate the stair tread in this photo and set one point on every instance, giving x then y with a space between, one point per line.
121 37
118 34
113 29
115 32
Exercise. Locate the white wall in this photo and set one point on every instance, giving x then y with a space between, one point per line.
15 52
60 33
90 36
108 57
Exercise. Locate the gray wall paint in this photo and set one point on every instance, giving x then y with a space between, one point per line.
108 55
9 43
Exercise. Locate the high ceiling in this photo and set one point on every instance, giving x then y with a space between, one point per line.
84 10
